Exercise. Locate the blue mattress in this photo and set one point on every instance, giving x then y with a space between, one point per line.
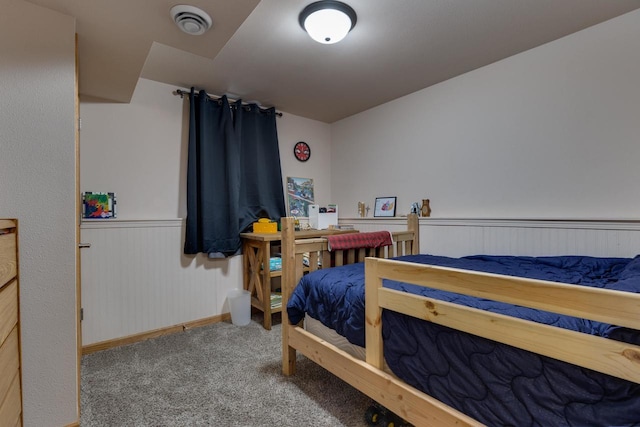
492 382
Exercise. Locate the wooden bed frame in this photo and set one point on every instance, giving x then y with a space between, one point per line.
600 354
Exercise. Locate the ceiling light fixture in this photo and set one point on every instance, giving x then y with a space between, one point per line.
327 21
191 19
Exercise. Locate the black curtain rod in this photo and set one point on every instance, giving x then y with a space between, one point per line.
183 93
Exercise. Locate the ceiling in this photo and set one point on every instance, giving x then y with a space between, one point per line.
257 51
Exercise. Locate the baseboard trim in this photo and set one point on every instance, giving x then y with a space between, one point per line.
131 339
73 424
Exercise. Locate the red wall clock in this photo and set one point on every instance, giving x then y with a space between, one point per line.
302 151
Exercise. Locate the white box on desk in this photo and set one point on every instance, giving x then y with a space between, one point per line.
322 221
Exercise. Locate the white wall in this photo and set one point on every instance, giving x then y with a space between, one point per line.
37 186
292 129
134 277
551 132
521 237
139 151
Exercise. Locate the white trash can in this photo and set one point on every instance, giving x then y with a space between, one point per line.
240 306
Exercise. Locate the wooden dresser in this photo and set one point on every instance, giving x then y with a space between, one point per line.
10 379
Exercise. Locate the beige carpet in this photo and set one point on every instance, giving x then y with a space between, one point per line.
218 375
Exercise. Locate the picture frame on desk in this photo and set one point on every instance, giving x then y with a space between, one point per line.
385 207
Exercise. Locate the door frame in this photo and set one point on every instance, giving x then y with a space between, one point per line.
78 219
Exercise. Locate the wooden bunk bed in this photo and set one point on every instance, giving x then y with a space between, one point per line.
611 357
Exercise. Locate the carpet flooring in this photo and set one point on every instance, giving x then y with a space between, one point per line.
217 375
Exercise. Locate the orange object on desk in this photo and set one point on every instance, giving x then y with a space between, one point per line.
265 226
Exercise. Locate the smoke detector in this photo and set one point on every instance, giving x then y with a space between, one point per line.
191 19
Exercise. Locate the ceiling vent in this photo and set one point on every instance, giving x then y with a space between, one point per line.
190 19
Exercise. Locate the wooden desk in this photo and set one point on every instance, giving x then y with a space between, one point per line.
257 274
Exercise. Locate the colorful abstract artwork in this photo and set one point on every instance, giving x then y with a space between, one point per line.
299 196
385 206
98 205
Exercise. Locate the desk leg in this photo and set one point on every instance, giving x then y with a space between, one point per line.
266 285
246 265
257 276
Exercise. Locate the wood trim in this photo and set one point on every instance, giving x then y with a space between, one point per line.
131 339
92 224
19 325
73 424
561 223
590 224
76 98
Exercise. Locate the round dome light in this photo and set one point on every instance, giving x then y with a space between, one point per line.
327 21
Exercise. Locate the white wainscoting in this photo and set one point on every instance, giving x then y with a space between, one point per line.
136 279
526 237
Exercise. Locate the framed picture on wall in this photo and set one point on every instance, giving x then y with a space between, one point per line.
385 206
299 196
98 205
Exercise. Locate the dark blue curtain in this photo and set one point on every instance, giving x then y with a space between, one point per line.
234 175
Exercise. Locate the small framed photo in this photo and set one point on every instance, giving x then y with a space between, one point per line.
98 205
385 206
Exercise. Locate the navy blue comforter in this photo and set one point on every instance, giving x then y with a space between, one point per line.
492 382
